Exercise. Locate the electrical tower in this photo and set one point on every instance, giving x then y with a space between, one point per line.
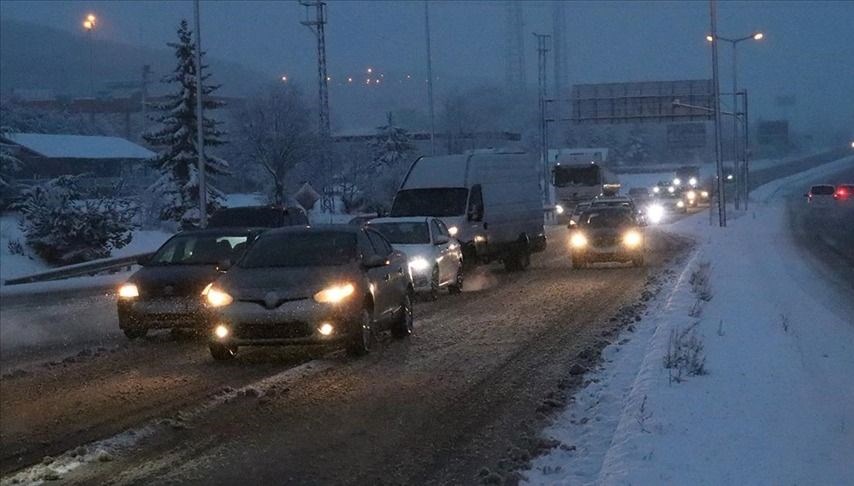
559 47
317 26
514 53
542 65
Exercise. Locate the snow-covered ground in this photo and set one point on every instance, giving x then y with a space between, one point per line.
774 403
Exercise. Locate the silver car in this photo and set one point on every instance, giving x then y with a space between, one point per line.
435 258
318 285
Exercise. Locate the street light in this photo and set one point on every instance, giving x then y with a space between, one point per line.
89 26
757 36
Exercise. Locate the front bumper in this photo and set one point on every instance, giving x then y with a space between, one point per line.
293 322
162 313
608 253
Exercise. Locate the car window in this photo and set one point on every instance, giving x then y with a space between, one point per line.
475 209
443 228
822 190
404 233
302 249
435 229
381 246
200 250
365 247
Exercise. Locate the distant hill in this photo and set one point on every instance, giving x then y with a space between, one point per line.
33 56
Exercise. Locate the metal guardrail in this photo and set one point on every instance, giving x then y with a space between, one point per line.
96 267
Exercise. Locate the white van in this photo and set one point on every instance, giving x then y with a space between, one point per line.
490 201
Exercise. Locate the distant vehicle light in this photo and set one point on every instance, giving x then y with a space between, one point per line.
671 189
729 177
578 240
692 182
453 230
221 331
479 239
217 298
128 291
655 213
704 194
680 204
632 239
656 189
325 329
558 209
677 182
691 195
334 294
418 264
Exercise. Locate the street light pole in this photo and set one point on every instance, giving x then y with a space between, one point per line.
89 25
200 126
717 107
430 79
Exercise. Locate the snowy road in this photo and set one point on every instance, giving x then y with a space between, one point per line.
469 391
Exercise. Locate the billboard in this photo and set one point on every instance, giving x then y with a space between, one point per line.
640 102
682 136
773 133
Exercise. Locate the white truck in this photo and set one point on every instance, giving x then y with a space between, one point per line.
578 175
491 202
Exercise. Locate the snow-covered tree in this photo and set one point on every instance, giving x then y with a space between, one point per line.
178 183
9 166
636 148
277 130
62 226
390 154
392 146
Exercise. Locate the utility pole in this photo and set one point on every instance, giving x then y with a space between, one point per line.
735 152
430 79
559 46
745 179
200 125
542 50
717 102
146 72
514 50
318 27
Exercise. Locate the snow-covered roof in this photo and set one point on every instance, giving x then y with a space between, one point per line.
403 219
79 146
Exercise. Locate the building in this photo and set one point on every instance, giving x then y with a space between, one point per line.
106 163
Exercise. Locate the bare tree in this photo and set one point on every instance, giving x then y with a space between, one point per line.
277 129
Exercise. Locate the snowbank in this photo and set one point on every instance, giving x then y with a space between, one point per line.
12 265
775 404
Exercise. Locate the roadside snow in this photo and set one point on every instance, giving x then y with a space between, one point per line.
777 403
11 265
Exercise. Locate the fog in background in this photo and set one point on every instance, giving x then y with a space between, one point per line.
808 50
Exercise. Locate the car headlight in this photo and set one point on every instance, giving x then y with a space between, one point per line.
704 194
453 230
656 189
632 239
578 240
419 264
671 189
692 181
128 291
216 297
558 209
335 293
655 213
680 204
677 181
691 195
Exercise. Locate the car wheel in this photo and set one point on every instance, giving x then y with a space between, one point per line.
363 337
135 332
404 324
222 352
457 286
434 284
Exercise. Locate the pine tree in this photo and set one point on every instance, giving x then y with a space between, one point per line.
389 153
178 184
392 145
636 148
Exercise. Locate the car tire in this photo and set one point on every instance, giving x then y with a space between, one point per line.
457 286
222 352
404 324
434 284
362 341
135 332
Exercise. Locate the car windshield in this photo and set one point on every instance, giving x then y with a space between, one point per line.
581 176
302 249
200 250
404 233
437 202
607 219
822 190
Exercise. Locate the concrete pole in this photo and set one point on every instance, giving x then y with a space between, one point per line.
717 102
200 132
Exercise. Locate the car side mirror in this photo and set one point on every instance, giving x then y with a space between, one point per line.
441 240
143 260
223 265
373 261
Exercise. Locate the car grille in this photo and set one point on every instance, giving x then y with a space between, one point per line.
283 330
603 241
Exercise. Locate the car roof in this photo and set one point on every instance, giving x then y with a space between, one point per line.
406 219
224 230
822 185
321 228
605 209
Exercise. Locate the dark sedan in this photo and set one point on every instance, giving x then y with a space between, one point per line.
316 285
166 292
607 234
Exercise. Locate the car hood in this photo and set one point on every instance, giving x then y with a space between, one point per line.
411 251
287 283
174 280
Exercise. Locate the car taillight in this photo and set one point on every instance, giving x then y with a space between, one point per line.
840 193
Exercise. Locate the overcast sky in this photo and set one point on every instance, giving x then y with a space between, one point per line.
808 50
